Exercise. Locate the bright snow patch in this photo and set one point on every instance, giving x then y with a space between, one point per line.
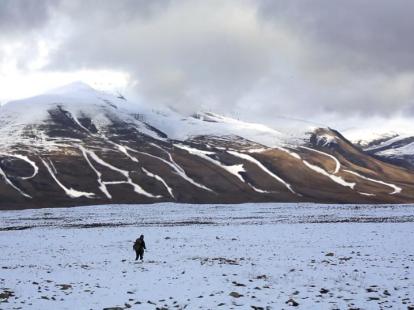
177 168
337 163
137 188
261 166
334 178
234 169
160 179
72 193
397 189
27 160
9 182
325 139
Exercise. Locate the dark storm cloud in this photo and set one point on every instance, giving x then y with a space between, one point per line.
19 16
373 34
187 54
364 47
111 12
304 58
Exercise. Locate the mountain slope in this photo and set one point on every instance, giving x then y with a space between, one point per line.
393 146
78 146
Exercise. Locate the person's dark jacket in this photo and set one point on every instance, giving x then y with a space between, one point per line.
139 245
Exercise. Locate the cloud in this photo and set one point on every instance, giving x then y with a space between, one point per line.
24 32
359 58
363 35
20 16
313 59
190 53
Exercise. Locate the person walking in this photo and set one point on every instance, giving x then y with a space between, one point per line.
139 247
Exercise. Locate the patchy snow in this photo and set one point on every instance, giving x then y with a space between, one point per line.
337 179
27 160
258 150
80 125
102 186
337 163
366 194
325 139
137 188
234 170
334 178
160 179
396 188
72 193
262 167
291 153
209 257
390 131
124 149
8 181
392 139
407 149
177 168
261 191
365 136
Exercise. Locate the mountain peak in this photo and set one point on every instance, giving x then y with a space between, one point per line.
71 88
75 145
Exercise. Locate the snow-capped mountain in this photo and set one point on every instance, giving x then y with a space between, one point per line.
397 149
394 146
78 146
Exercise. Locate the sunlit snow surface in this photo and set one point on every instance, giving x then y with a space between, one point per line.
20 120
320 256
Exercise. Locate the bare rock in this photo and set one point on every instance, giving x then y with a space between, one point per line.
292 302
235 295
323 291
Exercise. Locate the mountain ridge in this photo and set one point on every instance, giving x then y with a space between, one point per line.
79 146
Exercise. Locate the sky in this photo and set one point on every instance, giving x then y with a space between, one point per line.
338 63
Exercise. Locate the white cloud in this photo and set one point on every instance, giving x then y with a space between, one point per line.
256 59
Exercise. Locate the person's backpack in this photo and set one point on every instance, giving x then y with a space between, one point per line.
137 244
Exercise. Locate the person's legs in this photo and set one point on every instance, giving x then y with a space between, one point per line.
136 255
141 255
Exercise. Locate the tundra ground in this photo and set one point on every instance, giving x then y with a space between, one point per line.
250 256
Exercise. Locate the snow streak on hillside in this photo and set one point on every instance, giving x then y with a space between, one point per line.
75 145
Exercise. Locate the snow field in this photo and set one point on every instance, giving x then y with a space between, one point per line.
209 257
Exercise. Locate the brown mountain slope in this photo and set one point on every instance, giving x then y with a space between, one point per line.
104 156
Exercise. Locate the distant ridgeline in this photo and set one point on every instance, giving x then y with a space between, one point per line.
77 146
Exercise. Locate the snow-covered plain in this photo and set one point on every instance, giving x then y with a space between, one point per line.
249 256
